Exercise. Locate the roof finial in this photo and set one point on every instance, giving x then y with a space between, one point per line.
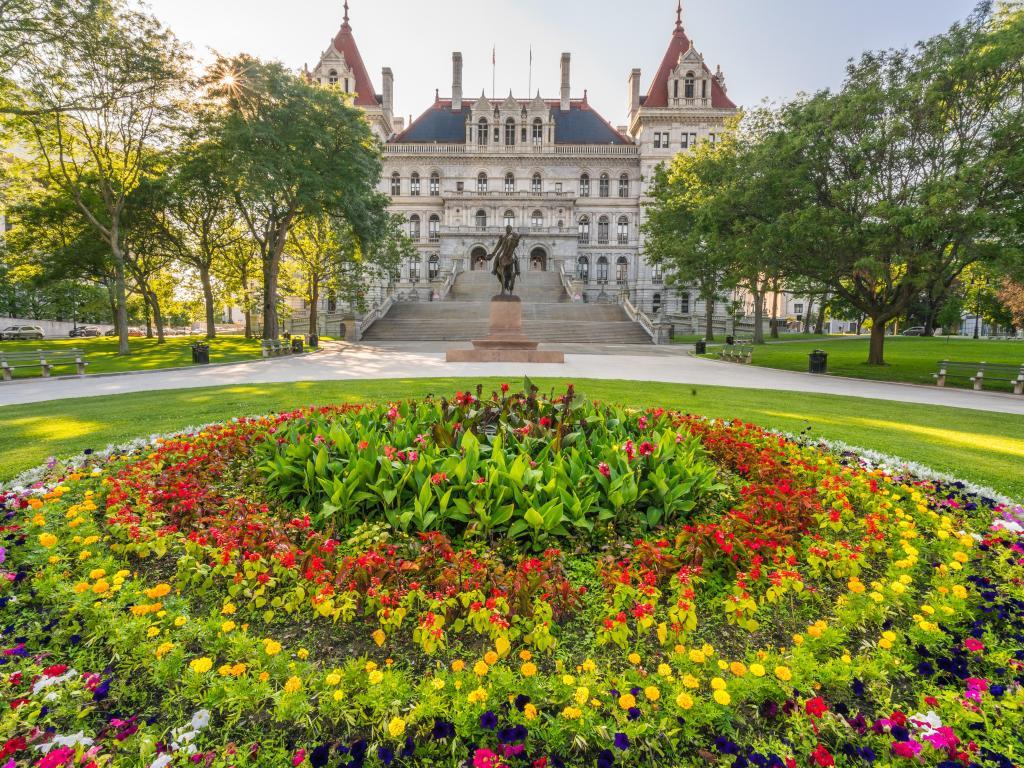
679 15
346 11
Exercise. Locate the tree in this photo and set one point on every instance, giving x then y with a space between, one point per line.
290 150
1012 296
105 96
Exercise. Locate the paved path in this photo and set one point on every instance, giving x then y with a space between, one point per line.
408 361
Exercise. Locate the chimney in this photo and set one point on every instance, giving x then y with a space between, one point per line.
389 91
456 82
565 82
634 92
399 124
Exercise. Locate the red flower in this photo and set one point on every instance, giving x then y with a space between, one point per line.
438 477
974 645
822 756
604 470
816 707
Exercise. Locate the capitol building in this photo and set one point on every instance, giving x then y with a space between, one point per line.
569 181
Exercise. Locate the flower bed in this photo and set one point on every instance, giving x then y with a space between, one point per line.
505 580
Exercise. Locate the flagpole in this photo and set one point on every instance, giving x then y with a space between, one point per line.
529 88
494 70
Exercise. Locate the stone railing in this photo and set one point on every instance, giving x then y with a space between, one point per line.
559 150
449 283
573 287
638 317
376 312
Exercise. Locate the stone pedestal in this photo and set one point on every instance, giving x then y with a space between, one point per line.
505 343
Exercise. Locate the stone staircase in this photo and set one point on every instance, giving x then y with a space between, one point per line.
548 315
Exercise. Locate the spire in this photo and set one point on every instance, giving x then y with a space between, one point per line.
679 16
345 43
346 13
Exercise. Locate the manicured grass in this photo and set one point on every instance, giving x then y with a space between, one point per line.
908 359
987 448
146 354
783 337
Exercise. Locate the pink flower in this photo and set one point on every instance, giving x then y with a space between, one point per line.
604 470
906 749
942 738
974 645
484 758
300 756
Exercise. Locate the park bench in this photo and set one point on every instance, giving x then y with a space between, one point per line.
738 352
274 348
47 360
979 373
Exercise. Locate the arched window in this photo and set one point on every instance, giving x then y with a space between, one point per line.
621 270
481 183
414 269
396 184
688 90
434 229
435 184
583 269
346 85
510 132
433 267
332 77
624 185
537 220
584 185
481 131
509 219
604 185
602 230
602 270
481 219
414 227
510 183
657 303
536 184
414 184
584 237
684 304
538 131
623 230
656 275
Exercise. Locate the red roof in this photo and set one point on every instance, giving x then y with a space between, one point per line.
345 44
657 96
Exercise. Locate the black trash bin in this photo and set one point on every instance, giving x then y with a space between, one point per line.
314 341
201 354
730 340
297 345
702 347
817 361
195 352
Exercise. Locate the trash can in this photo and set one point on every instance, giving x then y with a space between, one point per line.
314 341
297 345
702 347
730 340
195 352
201 354
817 361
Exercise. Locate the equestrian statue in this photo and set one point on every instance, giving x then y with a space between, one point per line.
506 265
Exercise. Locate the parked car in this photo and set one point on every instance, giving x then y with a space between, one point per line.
135 333
84 331
917 330
23 332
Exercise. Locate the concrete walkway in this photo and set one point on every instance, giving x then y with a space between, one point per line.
409 361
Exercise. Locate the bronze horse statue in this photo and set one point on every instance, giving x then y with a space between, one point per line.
506 265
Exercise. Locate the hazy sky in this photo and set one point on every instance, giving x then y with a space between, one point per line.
767 48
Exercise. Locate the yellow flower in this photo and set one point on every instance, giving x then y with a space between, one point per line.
458 665
238 670
375 677
438 683
264 676
100 587
798 639
228 609
691 682
227 626
718 684
181 621
338 695
627 701
378 637
738 668
224 670
634 658
525 654
292 685
959 592
478 696
572 713
47 540
722 697
568 680
302 653
333 679
652 693
529 669
783 674
160 590
201 666
589 665
97 573
697 656
581 695
491 658
81 587
152 631
684 701
271 647
856 585
163 649
396 727
530 712
664 670
480 668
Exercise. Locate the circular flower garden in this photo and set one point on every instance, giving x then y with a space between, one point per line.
505 579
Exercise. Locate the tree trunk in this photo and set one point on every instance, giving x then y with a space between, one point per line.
271 271
819 326
876 351
147 308
158 318
775 312
758 315
121 317
211 326
246 301
709 319
807 315
314 296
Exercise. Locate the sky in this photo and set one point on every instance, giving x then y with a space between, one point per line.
768 49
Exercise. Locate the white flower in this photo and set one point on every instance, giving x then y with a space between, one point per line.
74 740
46 682
161 762
201 719
927 724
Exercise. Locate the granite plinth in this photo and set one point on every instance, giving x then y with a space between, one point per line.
505 343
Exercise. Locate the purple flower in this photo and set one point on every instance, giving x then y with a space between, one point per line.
606 759
621 741
488 721
385 755
320 755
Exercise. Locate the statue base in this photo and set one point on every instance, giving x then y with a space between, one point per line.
505 343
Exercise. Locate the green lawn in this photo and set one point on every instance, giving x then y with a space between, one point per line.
908 359
146 354
784 337
987 448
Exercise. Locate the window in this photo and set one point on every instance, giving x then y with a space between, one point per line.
656 275
414 269
414 185
481 131
693 139
509 219
621 270
435 184
584 237
624 185
657 303
510 184
688 91
346 85
799 310
510 132
434 229
684 304
712 138
602 230
481 183
665 141
583 269
657 140
433 267
481 219
675 89
536 184
537 220
623 230
604 185
332 77
686 141
538 131
602 271
414 227
584 185
396 184
332 303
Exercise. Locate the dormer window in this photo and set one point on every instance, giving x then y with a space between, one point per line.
332 77
688 92
481 131
510 132
538 131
